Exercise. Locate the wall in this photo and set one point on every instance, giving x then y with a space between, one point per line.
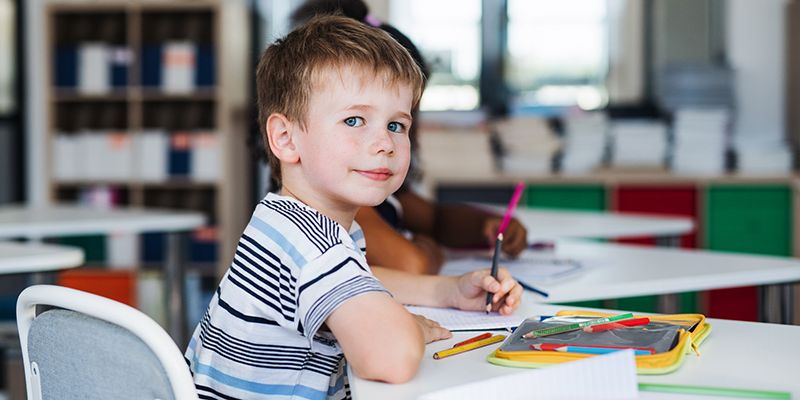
755 44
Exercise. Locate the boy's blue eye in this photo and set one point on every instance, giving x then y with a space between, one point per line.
396 127
354 121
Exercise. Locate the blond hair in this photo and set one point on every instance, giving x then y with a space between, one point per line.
290 69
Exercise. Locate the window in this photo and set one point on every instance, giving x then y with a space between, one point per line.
555 53
7 57
447 33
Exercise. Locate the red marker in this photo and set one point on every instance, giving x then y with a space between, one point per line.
475 339
617 324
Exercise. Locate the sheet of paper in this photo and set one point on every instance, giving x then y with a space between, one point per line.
533 268
611 376
457 320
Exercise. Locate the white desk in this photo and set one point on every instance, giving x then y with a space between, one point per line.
617 270
63 220
770 363
36 223
545 224
18 258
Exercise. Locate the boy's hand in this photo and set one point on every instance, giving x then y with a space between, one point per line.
471 288
431 330
515 238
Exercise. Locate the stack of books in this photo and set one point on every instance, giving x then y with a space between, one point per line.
151 156
455 152
762 156
585 138
695 85
638 143
700 141
528 144
92 67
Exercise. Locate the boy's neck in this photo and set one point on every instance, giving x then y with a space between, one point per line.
341 216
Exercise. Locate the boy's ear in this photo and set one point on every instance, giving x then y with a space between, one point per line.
281 142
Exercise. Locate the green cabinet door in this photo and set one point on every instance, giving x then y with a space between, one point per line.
569 197
747 219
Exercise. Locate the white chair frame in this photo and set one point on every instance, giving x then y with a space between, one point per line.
124 316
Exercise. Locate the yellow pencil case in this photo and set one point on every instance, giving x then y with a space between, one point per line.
688 332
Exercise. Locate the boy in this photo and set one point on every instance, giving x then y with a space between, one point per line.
335 99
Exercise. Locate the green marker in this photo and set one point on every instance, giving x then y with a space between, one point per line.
714 391
574 327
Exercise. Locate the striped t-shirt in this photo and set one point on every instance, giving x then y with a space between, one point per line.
260 336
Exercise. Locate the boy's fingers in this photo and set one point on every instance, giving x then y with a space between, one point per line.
489 284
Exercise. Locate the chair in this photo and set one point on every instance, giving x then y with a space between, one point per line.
83 346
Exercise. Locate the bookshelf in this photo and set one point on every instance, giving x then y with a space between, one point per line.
145 106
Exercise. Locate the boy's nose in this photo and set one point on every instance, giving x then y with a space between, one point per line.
383 142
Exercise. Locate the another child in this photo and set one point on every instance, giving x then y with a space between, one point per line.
335 99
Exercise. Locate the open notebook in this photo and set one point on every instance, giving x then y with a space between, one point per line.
457 320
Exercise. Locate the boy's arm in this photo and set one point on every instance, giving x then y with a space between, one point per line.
392 250
465 292
380 339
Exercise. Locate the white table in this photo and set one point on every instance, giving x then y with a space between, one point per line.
770 363
618 270
36 223
548 224
16 258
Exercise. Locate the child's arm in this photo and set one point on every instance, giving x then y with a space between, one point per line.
465 292
459 225
422 255
380 339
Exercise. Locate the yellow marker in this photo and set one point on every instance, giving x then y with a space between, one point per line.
468 347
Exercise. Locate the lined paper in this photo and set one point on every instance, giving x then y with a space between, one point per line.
457 320
610 376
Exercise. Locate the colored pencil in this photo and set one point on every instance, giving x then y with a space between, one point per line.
512 205
497 244
467 347
714 391
619 324
574 327
560 346
474 339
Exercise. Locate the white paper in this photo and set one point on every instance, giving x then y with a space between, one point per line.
531 268
610 376
457 320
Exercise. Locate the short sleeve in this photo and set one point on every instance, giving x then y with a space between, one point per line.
329 280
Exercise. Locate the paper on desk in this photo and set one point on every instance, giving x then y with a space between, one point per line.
533 268
457 320
611 376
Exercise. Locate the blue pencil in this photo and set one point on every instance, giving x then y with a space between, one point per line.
585 350
532 289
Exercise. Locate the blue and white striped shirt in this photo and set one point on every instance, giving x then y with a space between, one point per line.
260 336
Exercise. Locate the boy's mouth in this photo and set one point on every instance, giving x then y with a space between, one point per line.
377 174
